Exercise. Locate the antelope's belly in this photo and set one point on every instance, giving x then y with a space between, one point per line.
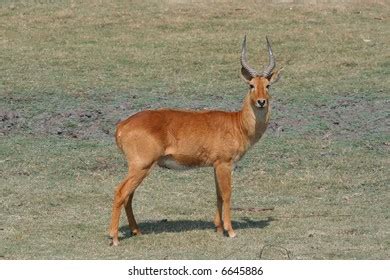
180 162
172 163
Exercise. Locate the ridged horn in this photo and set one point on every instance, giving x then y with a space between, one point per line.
272 63
244 60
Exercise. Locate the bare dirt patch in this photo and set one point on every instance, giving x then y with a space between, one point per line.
10 121
78 123
352 117
344 117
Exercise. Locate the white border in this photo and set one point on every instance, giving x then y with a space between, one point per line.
116 270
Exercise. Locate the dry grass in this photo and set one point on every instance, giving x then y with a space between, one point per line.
71 69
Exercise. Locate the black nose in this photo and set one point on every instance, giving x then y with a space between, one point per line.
261 102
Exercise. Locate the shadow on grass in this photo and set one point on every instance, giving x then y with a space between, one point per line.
162 226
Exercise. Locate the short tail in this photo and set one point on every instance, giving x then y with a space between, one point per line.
118 138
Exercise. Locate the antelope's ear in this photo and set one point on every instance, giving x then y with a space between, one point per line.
245 75
275 76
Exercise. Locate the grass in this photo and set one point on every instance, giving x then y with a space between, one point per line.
70 70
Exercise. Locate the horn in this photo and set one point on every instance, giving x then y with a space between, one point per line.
244 60
267 72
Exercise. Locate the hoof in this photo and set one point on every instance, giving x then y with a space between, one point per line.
219 229
114 242
230 234
136 232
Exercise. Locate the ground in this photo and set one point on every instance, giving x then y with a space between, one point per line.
71 70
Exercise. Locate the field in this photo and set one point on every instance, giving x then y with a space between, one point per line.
70 70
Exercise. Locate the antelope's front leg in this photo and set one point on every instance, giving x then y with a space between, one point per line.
223 172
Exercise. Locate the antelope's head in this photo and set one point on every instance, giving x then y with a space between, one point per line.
259 82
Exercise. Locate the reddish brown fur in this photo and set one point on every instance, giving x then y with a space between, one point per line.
174 138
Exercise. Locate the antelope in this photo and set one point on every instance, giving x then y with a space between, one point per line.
180 139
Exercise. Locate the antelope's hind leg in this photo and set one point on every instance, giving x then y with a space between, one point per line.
130 215
122 195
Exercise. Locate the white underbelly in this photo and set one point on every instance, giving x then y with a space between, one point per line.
171 163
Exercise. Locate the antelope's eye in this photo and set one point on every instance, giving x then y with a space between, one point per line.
267 86
251 86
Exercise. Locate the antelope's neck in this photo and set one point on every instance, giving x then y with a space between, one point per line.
253 121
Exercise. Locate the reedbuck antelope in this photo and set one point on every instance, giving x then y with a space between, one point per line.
179 139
